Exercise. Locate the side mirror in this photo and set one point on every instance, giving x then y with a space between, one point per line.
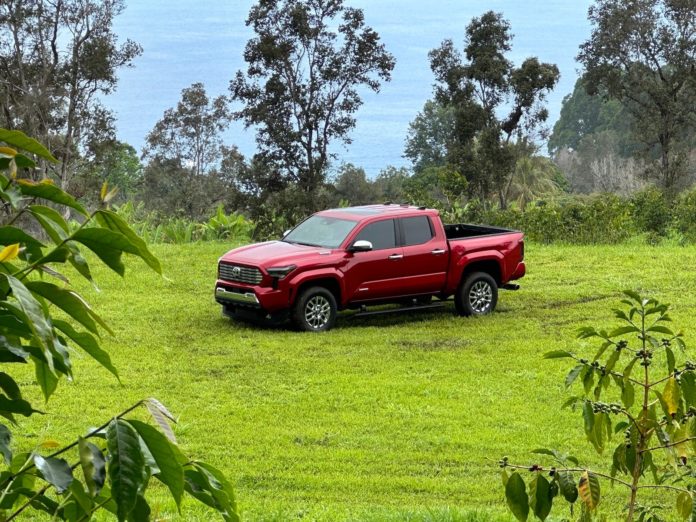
360 246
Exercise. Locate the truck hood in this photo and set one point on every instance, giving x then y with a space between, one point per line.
275 253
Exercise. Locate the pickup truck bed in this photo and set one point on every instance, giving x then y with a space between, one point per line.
359 256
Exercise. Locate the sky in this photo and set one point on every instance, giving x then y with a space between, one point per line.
186 41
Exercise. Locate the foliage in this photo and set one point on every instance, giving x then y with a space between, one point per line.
651 211
477 85
352 185
306 64
583 115
156 229
643 53
684 215
655 412
189 136
430 135
56 60
43 322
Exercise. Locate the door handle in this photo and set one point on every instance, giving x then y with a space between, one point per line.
396 256
438 251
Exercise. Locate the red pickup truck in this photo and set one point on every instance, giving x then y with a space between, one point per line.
360 256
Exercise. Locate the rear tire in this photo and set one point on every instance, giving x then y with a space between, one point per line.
315 310
477 295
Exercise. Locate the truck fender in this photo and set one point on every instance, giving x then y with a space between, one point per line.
467 259
317 275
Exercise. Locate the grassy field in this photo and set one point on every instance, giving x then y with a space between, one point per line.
391 418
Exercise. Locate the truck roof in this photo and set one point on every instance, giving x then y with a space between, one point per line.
365 211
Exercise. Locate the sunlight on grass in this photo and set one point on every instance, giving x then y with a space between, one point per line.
393 418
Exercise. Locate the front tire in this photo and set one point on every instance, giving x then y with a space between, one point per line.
477 295
315 310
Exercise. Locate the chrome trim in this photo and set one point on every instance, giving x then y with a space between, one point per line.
437 251
246 298
396 256
243 274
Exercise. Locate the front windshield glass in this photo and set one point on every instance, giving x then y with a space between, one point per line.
321 231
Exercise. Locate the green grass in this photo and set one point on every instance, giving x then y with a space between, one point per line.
390 418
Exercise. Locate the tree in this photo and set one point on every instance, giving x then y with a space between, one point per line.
478 87
306 64
189 170
352 185
430 136
190 134
44 322
57 58
534 177
583 114
114 162
643 53
390 184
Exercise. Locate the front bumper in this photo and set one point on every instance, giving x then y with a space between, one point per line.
264 298
246 298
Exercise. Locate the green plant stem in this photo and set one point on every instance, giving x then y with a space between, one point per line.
96 508
28 503
576 470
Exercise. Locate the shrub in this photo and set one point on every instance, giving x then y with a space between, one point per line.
651 211
111 467
655 412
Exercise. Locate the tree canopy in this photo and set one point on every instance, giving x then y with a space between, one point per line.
306 63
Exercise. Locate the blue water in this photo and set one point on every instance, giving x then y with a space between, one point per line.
202 41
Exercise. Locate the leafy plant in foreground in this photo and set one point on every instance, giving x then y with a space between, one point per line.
656 413
41 321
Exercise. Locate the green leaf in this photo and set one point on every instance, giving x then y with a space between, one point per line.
633 295
588 417
516 496
588 487
141 512
540 496
50 192
5 440
557 354
93 466
20 140
672 396
77 490
671 361
573 374
167 457
10 235
89 344
51 221
627 393
36 320
114 222
684 505
126 465
9 386
108 246
688 385
544 451
660 329
48 380
24 162
55 471
210 486
162 416
623 330
68 301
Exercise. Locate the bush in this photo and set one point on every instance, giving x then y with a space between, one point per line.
651 211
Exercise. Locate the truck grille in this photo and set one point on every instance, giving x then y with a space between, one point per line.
242 274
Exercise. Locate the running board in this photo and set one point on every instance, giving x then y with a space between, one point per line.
511 286
399 310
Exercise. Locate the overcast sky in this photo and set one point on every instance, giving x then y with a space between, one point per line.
187 41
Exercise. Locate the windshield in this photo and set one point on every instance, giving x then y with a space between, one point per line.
321 231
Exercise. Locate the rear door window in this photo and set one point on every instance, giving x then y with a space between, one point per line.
380 233
416 230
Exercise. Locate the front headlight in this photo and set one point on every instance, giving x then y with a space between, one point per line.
280 272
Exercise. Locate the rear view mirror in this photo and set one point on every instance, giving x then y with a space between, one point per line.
360 246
